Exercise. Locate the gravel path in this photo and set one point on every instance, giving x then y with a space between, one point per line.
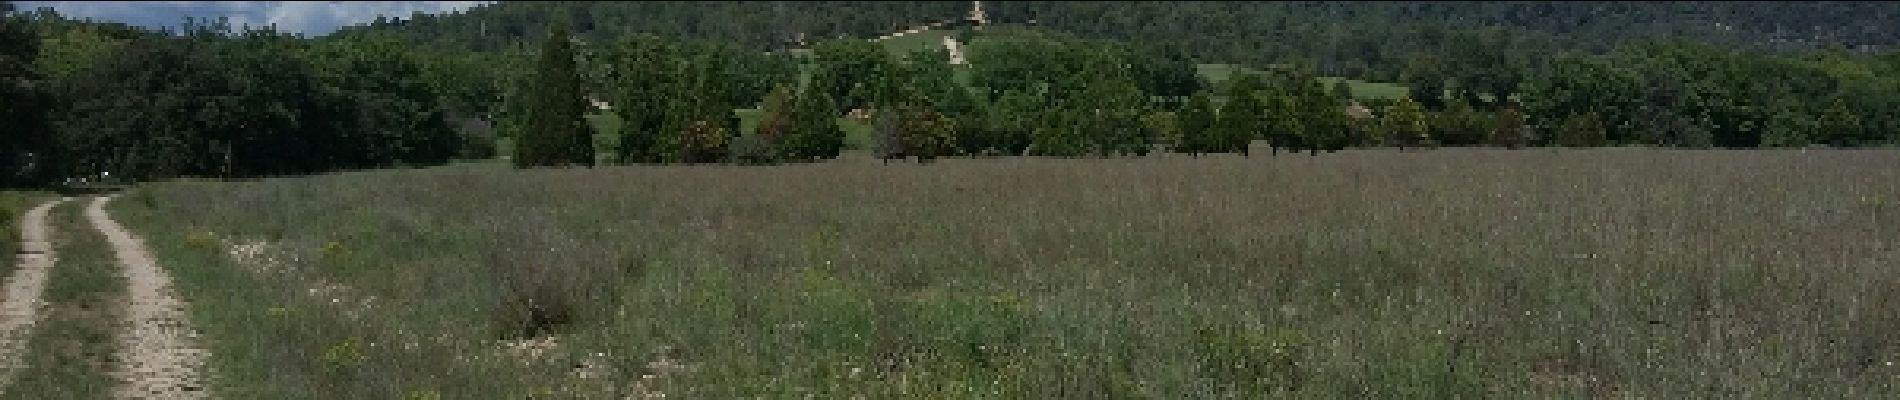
20 298
158 352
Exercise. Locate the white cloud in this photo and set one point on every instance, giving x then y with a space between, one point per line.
312 18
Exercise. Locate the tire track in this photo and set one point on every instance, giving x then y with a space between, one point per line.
159 356
20 302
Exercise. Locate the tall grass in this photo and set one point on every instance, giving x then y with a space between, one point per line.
1363 274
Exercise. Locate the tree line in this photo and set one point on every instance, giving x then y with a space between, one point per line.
89 99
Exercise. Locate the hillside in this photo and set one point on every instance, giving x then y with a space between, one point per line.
1362 40
757 24
1366 35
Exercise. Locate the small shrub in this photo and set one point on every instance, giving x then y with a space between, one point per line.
543 278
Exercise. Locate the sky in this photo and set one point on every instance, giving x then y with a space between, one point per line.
310 18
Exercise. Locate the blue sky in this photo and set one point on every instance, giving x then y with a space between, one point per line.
311 18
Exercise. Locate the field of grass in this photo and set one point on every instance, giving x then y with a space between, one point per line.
70 352
1218 74
1363 274
926 40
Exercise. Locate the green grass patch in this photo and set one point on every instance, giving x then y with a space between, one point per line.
1218 74
931 39
71 350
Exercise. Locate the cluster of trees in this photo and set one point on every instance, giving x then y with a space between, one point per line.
1464 62
91 99
84 98
675 101
1698 95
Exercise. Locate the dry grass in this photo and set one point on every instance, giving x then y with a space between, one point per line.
1363 274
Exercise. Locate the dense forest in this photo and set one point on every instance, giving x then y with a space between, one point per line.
1057 79
759 25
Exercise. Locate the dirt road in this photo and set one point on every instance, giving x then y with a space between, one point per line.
159 354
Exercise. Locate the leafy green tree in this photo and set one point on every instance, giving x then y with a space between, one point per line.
814 134
1460 125
63 54
1197 123
556 133
1582 130
1012 121
1510 130
851 71
1240 120
644 72
130 115
928 134
1406 124
389 112
1062 133
1162 125
702 141
24 105
1114 106
1285 120
1324 119
1839 125
1788 127
1166 73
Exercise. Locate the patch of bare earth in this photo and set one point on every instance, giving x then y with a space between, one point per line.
20 302
159 355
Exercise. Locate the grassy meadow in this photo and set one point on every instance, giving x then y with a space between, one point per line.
1218 74
1365 274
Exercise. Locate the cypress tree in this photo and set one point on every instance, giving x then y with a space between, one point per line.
556 133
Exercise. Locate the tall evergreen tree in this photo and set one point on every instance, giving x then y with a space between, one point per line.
556 133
